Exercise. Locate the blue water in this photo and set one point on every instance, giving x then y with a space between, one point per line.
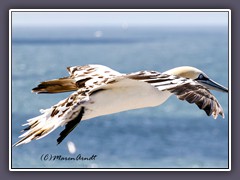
174 135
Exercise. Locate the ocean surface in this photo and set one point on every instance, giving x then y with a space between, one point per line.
174 135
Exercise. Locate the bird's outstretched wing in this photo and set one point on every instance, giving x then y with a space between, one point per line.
69 111
184 88
64 112
199 95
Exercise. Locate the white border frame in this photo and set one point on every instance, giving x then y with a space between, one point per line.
120 10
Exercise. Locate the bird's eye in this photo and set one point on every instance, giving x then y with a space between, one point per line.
202 77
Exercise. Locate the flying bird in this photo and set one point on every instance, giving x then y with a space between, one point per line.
99 90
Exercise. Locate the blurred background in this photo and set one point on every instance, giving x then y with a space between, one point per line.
174 135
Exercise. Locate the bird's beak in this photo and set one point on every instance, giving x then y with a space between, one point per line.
210 84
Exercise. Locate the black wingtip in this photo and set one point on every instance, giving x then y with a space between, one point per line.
60 139
70 126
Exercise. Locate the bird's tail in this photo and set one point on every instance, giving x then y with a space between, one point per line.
38 128
56 86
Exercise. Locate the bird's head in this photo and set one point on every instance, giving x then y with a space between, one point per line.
197 75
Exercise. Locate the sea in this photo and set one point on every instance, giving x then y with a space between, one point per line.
175 135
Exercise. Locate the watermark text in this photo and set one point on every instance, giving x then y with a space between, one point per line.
79 157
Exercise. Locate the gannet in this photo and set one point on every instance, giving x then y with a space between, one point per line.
99 90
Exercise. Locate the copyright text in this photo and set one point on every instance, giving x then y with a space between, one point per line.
79 157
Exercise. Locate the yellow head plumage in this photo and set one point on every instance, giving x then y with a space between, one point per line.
186 72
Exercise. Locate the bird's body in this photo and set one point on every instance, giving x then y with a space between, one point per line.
100 90
123 96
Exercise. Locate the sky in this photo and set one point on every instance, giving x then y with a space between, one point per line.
119 18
